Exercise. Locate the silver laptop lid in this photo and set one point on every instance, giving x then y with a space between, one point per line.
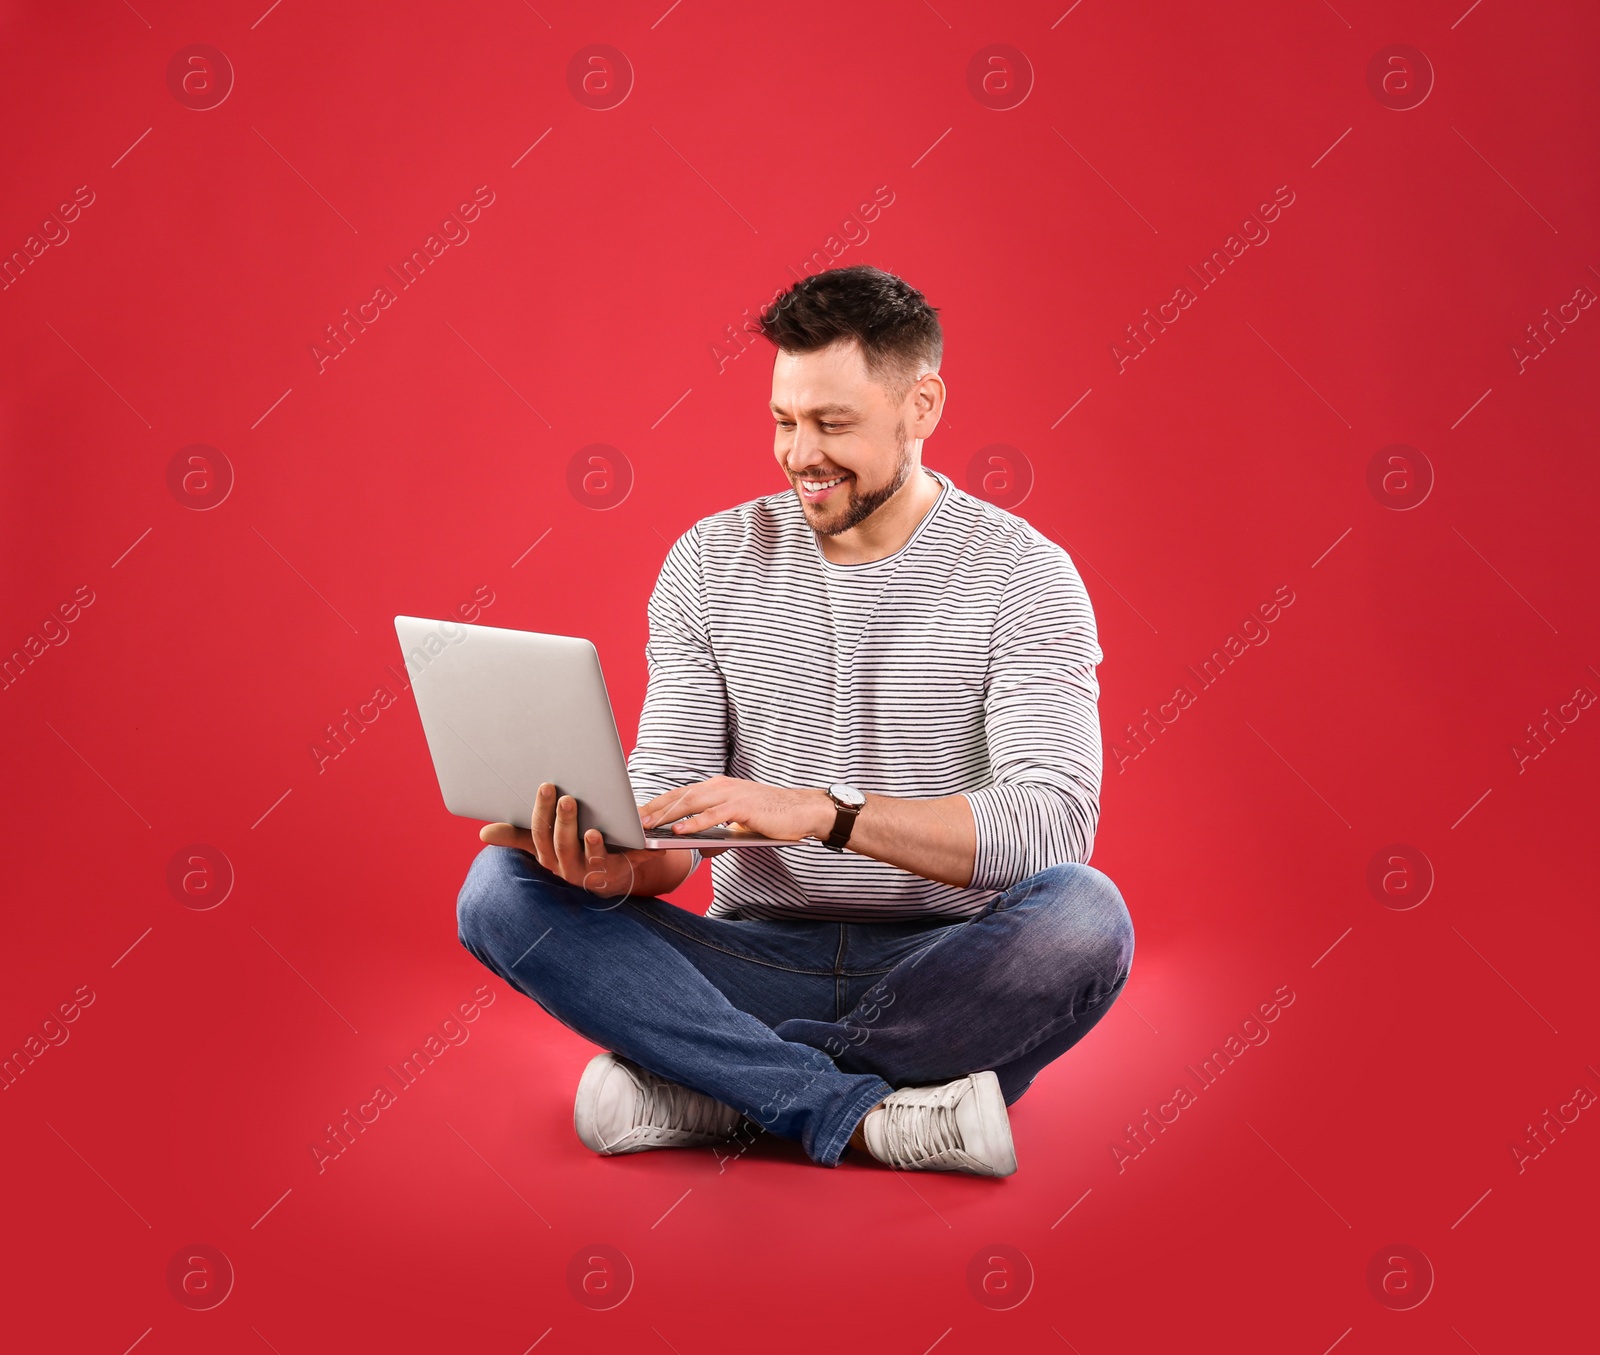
504 710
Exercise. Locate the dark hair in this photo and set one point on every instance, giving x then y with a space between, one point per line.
897 329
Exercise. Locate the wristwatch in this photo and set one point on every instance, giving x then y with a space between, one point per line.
849 802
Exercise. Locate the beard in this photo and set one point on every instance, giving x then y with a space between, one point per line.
862 506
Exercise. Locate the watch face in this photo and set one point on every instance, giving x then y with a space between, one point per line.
848 795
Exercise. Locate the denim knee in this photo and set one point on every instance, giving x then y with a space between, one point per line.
1090 921
492 900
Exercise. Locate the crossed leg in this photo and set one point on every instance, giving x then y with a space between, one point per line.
750 1012
1010 991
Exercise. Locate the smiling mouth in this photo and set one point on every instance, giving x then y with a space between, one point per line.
814 491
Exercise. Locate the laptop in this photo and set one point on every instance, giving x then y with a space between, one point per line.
504 710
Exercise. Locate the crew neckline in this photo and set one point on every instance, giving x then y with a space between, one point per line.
862 566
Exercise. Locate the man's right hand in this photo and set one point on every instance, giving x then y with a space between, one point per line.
553 841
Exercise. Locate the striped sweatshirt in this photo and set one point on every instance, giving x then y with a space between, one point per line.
964 663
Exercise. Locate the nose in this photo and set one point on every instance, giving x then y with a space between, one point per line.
805 452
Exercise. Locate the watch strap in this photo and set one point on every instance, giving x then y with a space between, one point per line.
844 822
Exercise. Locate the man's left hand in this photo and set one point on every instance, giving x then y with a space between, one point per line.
772 811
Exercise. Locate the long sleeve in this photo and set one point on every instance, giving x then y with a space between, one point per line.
683 726
1041 725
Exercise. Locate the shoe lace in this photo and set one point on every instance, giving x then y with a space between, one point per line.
919 1130
666 1105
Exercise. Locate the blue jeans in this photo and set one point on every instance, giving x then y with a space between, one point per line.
804 1026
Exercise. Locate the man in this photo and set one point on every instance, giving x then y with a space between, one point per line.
902 675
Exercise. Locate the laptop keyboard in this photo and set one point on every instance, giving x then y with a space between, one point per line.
705 834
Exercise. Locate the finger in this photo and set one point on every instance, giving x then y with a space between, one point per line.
544 814
505 835
569 856
711 811
672 804
688 802
597 863
709 817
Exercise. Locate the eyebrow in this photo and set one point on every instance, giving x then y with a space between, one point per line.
820 411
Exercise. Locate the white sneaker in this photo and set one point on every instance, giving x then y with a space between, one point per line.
620 1108
959 1127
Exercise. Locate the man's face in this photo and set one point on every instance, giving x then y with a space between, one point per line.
841 438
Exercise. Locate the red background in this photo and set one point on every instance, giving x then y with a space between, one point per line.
1230 459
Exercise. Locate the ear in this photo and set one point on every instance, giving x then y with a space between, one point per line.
926 400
